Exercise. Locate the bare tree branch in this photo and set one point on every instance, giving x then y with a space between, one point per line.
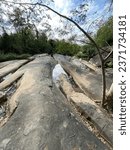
108 56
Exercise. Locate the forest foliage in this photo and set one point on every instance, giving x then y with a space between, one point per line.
27 41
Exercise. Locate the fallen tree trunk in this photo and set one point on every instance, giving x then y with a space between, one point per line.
92 111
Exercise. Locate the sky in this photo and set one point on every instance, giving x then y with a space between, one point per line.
95 11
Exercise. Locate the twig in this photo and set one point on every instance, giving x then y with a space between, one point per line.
108 56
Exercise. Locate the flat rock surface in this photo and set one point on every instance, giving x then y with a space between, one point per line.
42 119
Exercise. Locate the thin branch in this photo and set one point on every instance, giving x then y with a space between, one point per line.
108 56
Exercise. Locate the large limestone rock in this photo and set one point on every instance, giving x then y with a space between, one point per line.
41 118
90 82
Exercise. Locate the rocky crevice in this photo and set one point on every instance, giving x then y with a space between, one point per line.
85 115
8 92
85 106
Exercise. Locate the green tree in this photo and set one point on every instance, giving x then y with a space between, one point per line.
66 48
104 36
17 19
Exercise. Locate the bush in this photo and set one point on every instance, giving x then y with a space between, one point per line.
24 41
12 56
81 55
88 51
66 48
109 64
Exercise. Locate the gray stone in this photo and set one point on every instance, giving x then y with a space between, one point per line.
2 111
39 121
